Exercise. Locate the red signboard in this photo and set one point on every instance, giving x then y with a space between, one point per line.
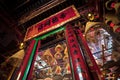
52 22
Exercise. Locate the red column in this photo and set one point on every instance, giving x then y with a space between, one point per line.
80 69
94 68
25 60
31 69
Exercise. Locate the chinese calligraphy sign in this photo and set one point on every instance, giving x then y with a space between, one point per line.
52 22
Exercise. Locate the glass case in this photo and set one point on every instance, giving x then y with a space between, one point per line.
105 50
52 63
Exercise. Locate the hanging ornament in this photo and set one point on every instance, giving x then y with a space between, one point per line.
66 51
91 16
65 58
68 68
58 55
49 72
58 49
58 70
48 57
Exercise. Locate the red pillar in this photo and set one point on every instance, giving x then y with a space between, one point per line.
25 60
97 75
31 69
79 66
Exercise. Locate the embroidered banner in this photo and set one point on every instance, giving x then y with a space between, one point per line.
52 22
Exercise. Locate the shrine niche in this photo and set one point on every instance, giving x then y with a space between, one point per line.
52 62
58 51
